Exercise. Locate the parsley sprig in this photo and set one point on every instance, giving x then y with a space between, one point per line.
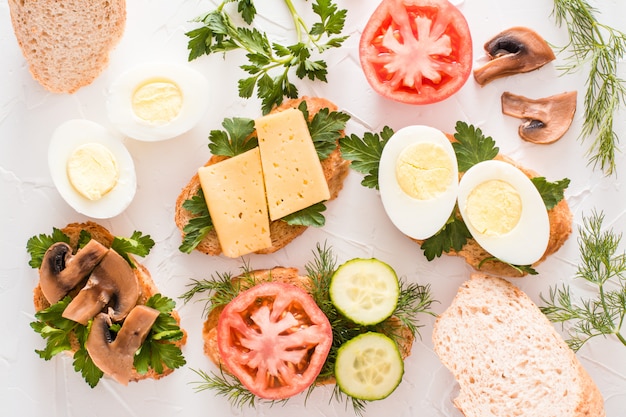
414 299
604 267
270 63
601 48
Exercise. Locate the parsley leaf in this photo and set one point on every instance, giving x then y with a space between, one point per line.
236 139
38 245
472 146
270 63
199 226
326 129
158 349
453 235
551 192
137 244
365 153
309 216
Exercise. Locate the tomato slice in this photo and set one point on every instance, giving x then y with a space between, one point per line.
416 51
274 339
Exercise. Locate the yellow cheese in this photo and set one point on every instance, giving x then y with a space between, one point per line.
294 178
235 195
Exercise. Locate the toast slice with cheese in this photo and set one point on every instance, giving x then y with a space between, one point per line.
507 358
334 167
67 43
146 289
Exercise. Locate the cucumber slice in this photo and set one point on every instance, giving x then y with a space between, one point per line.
369 366
365 290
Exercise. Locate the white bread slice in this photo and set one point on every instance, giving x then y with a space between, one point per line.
508 358
67 43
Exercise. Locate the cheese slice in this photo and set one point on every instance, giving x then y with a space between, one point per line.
294 178
235 195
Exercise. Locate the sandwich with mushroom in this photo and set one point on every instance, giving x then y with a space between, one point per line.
97 303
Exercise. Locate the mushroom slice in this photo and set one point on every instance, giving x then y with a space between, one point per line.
112 283
61 271
513 51
545 120
115 357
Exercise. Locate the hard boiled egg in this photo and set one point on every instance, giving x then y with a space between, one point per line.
91 168
157 101
504 212
418 179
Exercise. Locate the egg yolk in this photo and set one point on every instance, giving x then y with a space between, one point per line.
494 207
424 170
157 101
92 170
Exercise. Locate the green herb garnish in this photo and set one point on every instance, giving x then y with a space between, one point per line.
365 153
452 236
604 267
199 225
137 244
38 245
236 138
601 48
472 146
270 63
551 192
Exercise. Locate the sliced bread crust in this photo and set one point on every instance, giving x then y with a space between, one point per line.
335 171
508 358
147 287
67 43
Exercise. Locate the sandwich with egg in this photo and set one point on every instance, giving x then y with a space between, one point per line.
94 301
266 181
276 333
458 195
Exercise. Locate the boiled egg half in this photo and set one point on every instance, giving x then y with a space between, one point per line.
504 212
91 168
418 180
157 101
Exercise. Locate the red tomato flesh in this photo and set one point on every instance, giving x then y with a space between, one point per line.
416 51
274 339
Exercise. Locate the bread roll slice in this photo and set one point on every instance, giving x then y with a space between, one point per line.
289 276
335 171
147 288
508 358
67 43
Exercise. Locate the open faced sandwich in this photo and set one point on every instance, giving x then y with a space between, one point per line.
96 302
275 333
266 181
508 358
458 195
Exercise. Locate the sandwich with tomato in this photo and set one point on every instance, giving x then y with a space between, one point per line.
276 333
97 303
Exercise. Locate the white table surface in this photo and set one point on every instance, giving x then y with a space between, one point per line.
356 224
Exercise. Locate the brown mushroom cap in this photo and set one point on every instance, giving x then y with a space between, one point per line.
545 120
61 271
112 283
513 51
115 358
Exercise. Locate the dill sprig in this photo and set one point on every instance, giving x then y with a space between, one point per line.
602 47
602 266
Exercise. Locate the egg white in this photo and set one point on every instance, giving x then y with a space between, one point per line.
419 219
193 86
526 243
69 136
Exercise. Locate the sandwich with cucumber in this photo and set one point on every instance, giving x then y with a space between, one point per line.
276 333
